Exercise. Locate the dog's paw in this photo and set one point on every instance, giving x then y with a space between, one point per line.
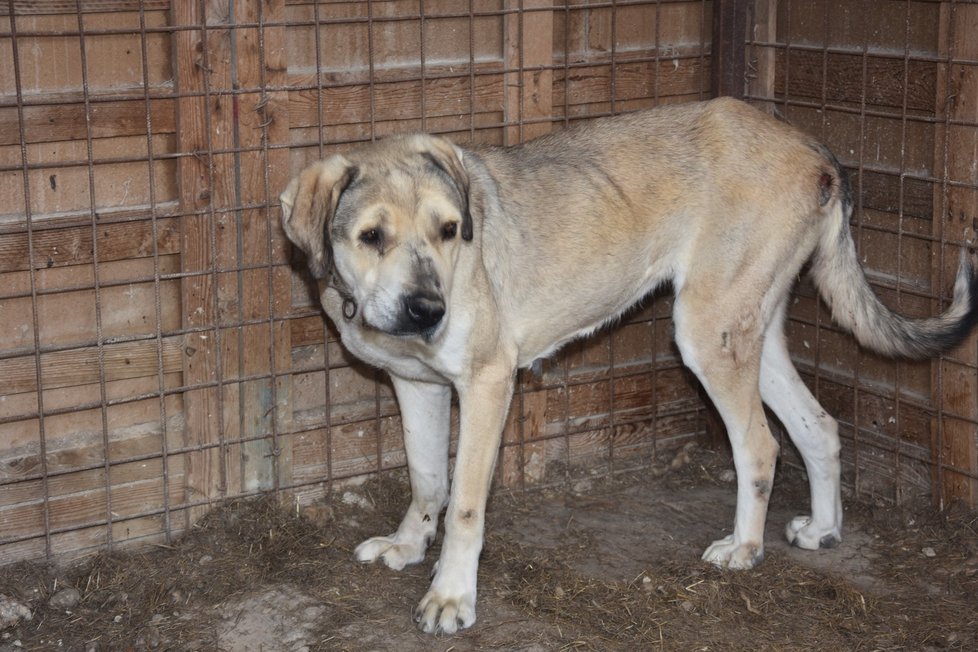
444 614
804 533
396 554
726 553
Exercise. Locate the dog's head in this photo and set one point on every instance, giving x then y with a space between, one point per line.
390 217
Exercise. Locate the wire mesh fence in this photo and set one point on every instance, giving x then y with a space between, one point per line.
891 87
159 349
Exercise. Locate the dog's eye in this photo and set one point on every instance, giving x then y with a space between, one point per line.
449 230
371 237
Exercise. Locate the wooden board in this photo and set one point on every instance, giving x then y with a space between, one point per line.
33 7
193 272
955 430
873 82
201 67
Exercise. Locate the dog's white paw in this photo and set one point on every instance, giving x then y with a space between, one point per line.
449 604
394 553
438 613
804 533
727 553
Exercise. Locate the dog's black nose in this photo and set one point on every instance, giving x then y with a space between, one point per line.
423 310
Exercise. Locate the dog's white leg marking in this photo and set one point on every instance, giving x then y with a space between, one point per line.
425 416
449 604
815 433
726 358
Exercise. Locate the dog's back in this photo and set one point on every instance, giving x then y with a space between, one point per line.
629 202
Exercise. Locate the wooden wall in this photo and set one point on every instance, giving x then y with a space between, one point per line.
892 88
160 350
90 343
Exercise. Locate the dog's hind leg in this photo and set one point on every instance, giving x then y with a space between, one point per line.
724 351
425 415
816 435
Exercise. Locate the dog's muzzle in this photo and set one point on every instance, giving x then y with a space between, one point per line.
421 312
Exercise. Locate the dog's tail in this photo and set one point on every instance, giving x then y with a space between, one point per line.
843 285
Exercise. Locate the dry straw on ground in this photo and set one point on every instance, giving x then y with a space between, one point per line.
534 595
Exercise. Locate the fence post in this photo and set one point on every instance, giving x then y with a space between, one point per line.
528 50
727 61
232 248
954 444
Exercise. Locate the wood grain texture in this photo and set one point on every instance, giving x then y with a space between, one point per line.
528 51
38 7
81 366
237 106
954 432
202 70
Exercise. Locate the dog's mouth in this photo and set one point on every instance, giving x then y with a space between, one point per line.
429 334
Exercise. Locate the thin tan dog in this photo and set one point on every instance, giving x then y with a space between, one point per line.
454 268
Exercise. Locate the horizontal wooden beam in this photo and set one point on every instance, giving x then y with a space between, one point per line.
73 245
887 84
633 80
41 7
81 366
54 122
454 96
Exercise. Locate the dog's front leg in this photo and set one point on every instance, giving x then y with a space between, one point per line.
426 420
449 604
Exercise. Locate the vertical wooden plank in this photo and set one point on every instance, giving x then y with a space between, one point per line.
251 284
259 63
727 59
202 65
235 255
274 113
534 430
219 240
764 28
955 441
529 52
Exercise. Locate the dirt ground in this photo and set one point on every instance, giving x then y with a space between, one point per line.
602 564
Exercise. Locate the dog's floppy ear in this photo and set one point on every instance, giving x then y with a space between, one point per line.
308 204
448 158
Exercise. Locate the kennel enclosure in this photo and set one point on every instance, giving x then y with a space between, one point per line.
161 350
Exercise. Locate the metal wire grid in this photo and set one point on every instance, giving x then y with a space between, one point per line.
562 380
866 440
88 32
